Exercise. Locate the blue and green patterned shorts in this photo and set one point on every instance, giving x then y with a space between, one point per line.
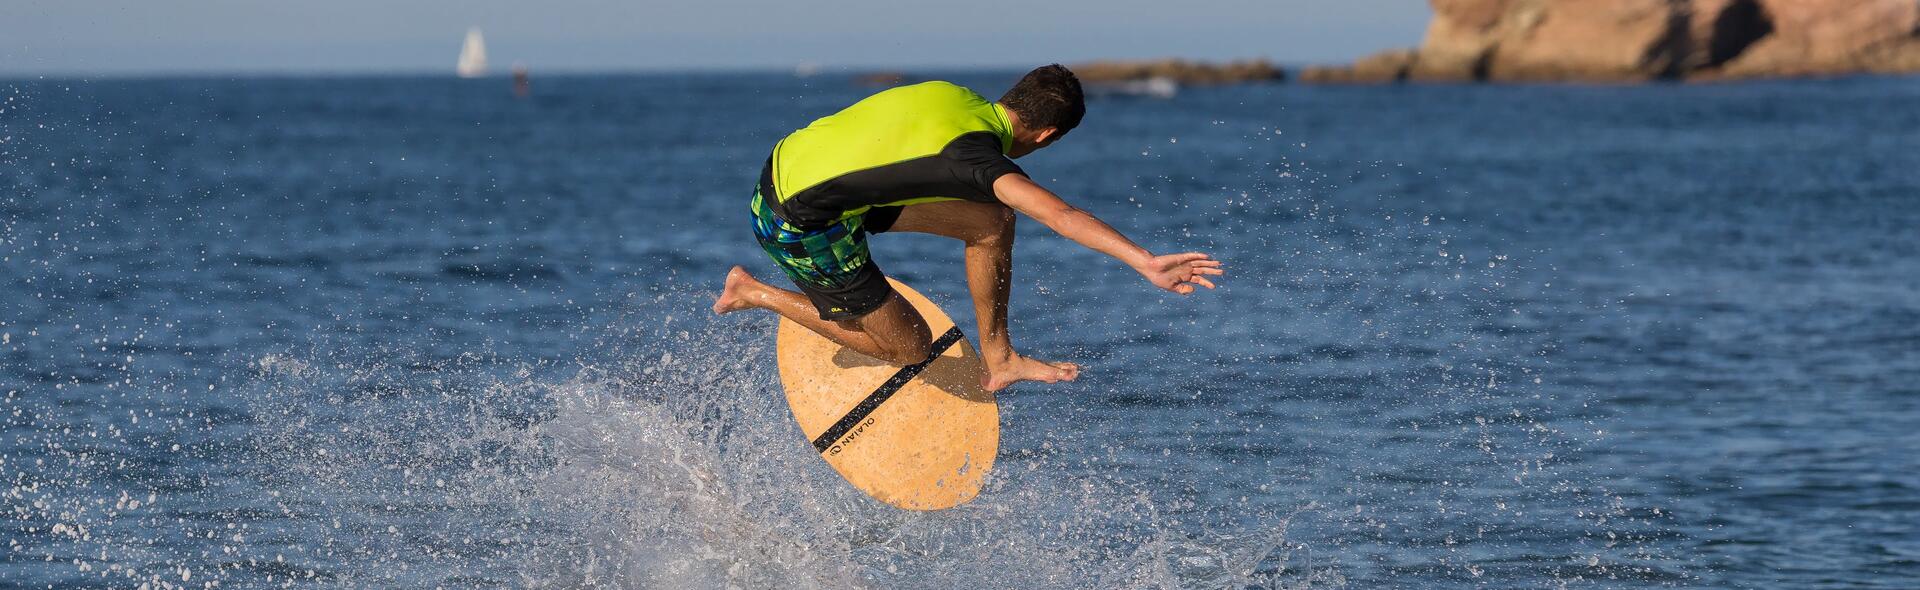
831 264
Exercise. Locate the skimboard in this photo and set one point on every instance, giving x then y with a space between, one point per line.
920 437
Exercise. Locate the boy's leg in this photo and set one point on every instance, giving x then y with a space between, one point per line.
868 316
987 231
894 332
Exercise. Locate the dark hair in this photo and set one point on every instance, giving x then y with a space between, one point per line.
1049 96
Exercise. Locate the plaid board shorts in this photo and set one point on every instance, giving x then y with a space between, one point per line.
831 265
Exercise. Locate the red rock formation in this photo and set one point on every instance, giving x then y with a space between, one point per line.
1604 40
1635 40
1825 37
1720 30
1463 34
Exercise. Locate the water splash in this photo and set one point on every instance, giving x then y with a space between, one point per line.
680 467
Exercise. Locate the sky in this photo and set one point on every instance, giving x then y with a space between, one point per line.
158 37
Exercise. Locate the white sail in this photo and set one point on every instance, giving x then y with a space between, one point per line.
473 56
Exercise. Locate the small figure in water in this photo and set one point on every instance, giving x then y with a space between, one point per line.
932 158
521 87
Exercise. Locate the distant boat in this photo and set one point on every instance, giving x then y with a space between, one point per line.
473 56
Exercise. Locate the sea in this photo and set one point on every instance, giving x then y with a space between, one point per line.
421 332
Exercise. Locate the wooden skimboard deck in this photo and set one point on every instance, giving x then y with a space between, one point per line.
921 437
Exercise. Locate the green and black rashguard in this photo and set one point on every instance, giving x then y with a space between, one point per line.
845 176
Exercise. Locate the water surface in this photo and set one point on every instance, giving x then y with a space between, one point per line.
415 332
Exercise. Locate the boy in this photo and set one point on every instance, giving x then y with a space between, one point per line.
933 158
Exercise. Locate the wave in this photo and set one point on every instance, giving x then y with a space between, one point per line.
680 466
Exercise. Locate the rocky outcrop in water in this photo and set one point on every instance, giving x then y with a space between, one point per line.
1640 40
1826 37
1180 71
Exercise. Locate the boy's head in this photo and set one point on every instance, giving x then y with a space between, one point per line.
1046 104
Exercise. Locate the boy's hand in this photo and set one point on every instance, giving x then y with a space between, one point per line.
1180 272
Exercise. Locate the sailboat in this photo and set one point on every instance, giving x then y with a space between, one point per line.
473 56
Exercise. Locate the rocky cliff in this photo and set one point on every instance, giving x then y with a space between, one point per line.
1639 40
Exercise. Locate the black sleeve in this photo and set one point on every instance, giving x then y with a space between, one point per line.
978 163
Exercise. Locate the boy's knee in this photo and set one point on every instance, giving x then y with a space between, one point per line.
901 354
1003 215
996 227
911 348
914 353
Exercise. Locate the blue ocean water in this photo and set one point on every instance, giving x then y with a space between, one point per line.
417 332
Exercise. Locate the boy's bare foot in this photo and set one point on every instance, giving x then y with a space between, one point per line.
737 295
1019 368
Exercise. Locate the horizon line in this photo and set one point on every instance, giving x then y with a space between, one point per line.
822 70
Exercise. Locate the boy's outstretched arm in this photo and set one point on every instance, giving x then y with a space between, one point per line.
1178 273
